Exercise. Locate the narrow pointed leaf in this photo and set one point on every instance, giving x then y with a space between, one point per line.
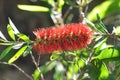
5 52
2 36
23 37
17 46
10 32
13 26
100 45
33 8
17 55
6 43
101 24
1 40
92 25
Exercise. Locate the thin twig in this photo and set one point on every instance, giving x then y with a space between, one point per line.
33 59
86 6
67 12
90 57
17 67
38 61
81 14
36 64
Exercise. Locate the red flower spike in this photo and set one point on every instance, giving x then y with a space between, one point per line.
68 37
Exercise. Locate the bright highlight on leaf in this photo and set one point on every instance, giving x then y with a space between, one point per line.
36 74
104 9
109 53
118 30
13 26
23 37
17 55
10 32
2 36
104 72
33 8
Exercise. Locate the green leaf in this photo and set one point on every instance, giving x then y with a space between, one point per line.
101 24
81 63
118 30
101 30
59 71
10 32
109 53
91 24
13 26
5 52
27 51
100 45
18 54
17 46
2 36
33 8
23 37
51 2
6 43
48 67
104 73
60 5
104 9
36 75
1 40
93 71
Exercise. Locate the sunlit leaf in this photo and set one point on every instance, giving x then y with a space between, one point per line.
60 5
104 9
109 53
81 63
101 25
17 46
17 54
6 43
5 52
100 45
10 32
92 25
118 30
33 8
36 74
104 73
23 37
2 36
54 56
1 40
13 26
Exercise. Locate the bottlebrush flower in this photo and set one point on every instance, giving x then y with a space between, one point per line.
68 37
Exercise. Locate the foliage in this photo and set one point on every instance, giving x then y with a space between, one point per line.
91 63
